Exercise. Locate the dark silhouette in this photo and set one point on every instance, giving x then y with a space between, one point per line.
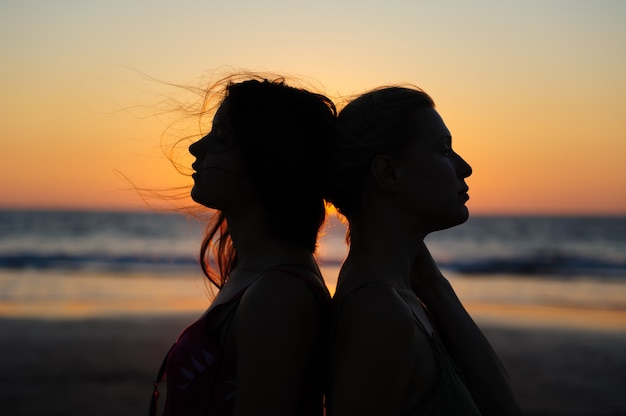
402 343
260 347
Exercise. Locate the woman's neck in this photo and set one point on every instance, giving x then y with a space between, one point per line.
258 249
382 248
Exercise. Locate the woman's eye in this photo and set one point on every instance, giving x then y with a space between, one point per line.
219 137
221 143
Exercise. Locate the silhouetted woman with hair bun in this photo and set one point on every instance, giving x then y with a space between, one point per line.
402 343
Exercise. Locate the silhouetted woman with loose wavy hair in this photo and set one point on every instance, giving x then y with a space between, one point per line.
259 348
283 145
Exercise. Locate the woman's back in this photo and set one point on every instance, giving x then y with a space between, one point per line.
216 359
385 361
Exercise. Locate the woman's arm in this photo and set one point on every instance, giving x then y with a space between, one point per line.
381 362
486 377
280 341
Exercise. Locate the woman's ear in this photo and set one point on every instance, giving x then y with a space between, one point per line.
384 172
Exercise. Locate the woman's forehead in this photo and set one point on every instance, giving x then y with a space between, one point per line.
429 122
221 114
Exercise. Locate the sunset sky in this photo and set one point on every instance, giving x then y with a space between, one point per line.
534 92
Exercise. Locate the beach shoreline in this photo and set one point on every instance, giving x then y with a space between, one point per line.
103 366
91 344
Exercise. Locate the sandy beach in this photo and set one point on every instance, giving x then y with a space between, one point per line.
104 366
103 338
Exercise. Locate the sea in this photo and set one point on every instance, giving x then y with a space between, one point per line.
75 264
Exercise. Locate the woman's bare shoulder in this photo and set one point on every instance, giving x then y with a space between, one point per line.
379 352
377 311
375 300
280 292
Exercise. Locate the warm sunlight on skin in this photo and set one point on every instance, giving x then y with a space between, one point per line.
532 93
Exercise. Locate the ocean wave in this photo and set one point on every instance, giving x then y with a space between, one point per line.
558 265
95 262
561 265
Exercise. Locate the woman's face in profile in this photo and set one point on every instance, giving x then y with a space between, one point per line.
432 176
218 179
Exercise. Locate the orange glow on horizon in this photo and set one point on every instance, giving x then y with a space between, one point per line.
537 113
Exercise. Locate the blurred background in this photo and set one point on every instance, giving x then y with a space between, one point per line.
532 91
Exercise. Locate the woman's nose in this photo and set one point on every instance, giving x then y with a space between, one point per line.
463 168
197 147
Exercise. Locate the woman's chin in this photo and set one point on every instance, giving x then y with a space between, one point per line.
199 198
451 221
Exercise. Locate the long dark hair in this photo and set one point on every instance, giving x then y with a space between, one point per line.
283 134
